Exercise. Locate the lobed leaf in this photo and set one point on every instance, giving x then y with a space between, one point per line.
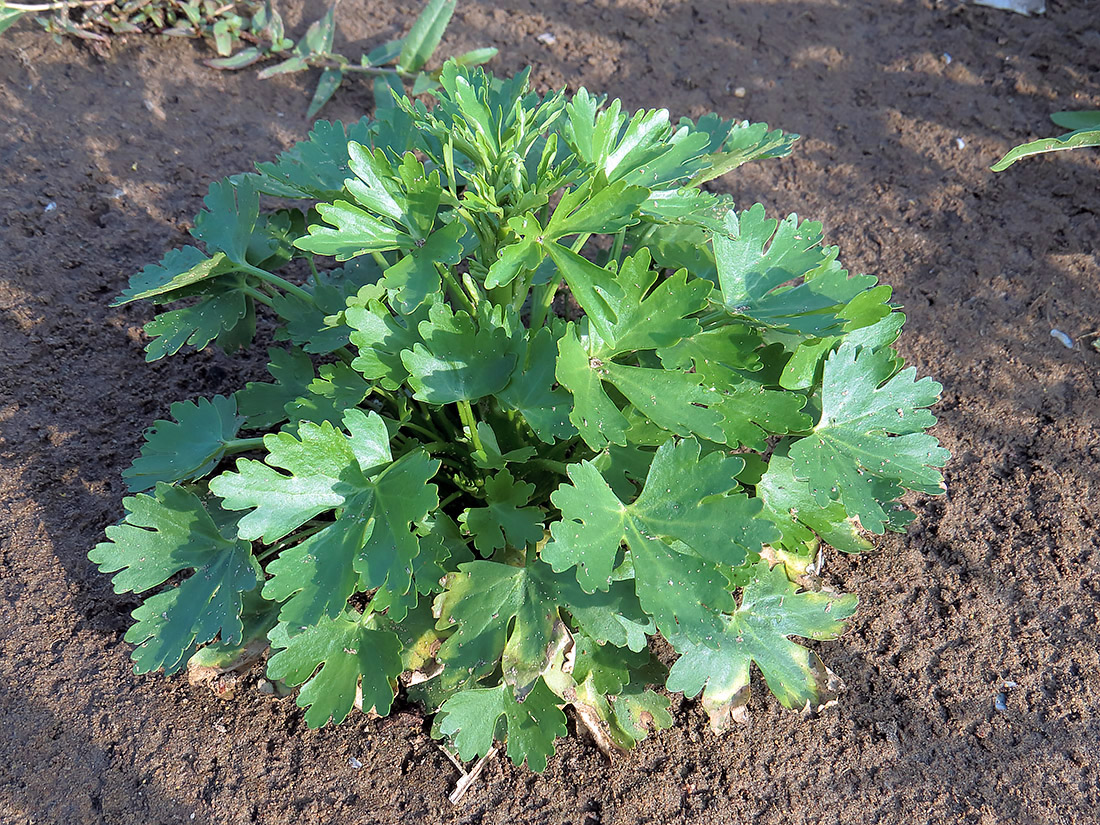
871 431
772 609
352 658
162 535
471 719
187 448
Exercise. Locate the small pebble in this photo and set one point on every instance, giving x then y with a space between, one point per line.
547 39
739 91
265 687
50 207
1062 338
1001 702
960 143
947 58
1010 684
355 763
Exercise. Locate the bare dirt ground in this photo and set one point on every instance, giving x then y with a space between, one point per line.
995 583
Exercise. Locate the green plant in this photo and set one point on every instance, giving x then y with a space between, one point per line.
245 32
556 401
1084 131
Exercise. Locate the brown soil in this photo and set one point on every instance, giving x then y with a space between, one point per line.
996 582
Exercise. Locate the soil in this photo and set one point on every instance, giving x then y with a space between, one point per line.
993 590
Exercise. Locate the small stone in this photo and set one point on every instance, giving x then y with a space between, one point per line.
739 91
1001 702
547 39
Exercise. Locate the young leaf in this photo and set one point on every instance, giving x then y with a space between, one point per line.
470 718
505 519
164 534
187 448
458 359
872 428
352 656
772 609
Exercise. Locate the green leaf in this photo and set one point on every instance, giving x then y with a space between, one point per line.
8 17
531 390
744 142
314 168
1074 121
758 258
177 270
224 312
318 326
187 448
1086 132
243 58
425 34
771 610
791 504
262 404
162 535
524 255
351 656
685 500
594 414
499 611
376 501
871 430
459 359
596 206
319 36
675 401
471 718
337 389
382 337
505 520
229 219
413 278
326 87
356 232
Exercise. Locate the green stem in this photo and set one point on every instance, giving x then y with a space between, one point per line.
424 431
380 259
548 464
241 445
454 289
275 280
578 244
451 497
541 303
617 248
257 295
466 413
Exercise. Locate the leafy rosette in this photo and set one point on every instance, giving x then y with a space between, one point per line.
540 400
